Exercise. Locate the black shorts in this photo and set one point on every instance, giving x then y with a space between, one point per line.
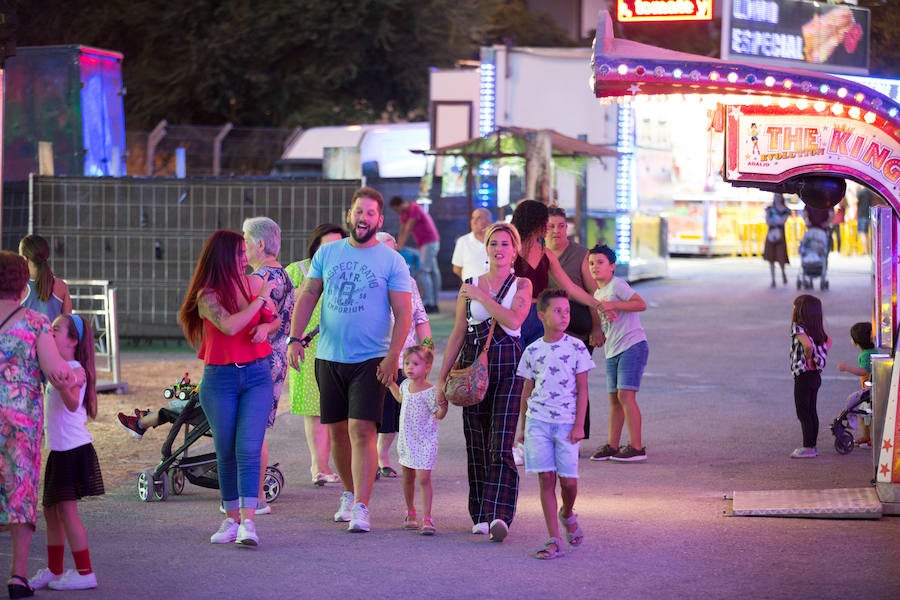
72 475
349 391
390 416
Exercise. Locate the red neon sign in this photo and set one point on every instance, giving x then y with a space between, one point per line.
632 11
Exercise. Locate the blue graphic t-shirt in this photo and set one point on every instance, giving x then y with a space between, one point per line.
356 309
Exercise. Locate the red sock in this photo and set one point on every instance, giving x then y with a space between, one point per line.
55 555
82 561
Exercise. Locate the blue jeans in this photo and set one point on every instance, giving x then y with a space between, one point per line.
429 275
625 370
237 401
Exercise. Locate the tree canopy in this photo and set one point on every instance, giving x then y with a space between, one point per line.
289 63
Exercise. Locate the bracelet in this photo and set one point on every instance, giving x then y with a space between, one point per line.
294 340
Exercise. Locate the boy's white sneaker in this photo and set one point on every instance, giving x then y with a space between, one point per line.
73 580
805 453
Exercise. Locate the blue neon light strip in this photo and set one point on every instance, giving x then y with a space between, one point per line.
626 180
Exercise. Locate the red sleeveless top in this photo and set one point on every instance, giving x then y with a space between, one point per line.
216 348
539 276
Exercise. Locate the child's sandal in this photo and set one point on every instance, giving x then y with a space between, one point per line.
427 526
573 537
410 521
549 551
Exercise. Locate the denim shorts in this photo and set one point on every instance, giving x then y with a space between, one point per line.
548 449
625 369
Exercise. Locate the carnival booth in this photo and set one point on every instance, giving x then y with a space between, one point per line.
801 132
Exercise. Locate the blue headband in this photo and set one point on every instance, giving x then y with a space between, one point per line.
79 326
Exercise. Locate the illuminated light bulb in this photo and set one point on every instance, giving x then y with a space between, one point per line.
802 104
842 92
784 102
823 89
819 106
766 101
893 112
787 84
732 77
751 79
622 70
640 70
713 76
869 118
854 112
837 109
859 97
677 73
770 81
659 71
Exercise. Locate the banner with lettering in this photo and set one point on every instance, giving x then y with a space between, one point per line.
795 33
774 143
635 11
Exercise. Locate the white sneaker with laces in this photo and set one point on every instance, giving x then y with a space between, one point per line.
246 534
359 520
44 576
227 533
73 580
480 528
343 514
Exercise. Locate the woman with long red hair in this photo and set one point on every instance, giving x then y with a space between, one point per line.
221 312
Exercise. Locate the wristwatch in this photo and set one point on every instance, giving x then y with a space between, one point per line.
294 340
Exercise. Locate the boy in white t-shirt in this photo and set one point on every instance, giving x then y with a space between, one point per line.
551 418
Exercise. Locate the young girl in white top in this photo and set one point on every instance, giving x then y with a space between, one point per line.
417 442
73 470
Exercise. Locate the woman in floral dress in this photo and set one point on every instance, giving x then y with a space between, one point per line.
26 349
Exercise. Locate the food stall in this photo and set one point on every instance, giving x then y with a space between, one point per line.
793 131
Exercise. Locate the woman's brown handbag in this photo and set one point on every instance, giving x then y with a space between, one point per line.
467 387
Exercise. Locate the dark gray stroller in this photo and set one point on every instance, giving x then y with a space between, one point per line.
177 465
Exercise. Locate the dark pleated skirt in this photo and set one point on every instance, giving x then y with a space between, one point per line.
72 475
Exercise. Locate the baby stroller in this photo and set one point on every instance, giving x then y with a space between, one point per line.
842 427
176 465
813 259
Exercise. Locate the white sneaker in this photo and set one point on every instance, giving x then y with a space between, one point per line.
481 528
804 453
263 510
39 580
227 533
73 580
246 534
359 521
343 514
499 530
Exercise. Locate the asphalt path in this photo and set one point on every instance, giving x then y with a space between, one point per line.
718 417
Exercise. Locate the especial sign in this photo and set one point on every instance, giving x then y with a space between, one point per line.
636 11
771 144
797 34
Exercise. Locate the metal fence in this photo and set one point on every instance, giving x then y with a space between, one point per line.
144 235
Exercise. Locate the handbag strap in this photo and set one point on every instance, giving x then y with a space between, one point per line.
9 316
507 283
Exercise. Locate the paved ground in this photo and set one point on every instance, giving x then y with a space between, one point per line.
718 417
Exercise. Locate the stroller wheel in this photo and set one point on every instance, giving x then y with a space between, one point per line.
843 441
176 478
272 484
149 490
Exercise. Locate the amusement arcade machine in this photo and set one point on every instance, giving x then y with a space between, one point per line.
794 131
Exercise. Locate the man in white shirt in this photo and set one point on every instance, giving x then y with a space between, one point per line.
470 256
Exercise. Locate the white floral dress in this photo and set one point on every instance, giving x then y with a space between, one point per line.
417 443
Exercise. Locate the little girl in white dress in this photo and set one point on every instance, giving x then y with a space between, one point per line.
417 441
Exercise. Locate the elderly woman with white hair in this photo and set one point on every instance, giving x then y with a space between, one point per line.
262 241
419 333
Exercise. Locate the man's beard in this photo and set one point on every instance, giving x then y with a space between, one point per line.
362 240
